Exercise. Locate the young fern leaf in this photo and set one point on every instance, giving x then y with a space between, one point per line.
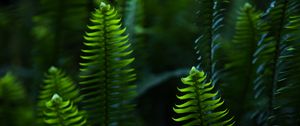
56 81
200 102
60 112
106 78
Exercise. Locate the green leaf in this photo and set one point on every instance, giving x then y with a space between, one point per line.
199 109
60 112
106 76
56 81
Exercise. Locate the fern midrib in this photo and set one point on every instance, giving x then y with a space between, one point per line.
55 84
56 106
106 65
250 65
276 60
59 115
199 110
207 57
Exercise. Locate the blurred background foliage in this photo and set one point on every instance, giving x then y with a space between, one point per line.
37 34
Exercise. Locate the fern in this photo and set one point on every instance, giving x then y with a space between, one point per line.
56 81
241 69
211 20
15 110
60 112
11 89
134 22
106 79
284 56
199 107
263 57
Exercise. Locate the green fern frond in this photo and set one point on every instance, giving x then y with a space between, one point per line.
60 112
15 110
200 102
284 19
56 81
267 62
241 70
106 78
211 22
10 89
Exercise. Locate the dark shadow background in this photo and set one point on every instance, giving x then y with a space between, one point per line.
37 34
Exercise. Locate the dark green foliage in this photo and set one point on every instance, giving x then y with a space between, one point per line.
57 82
210 21
251 56
284 68
54 23
14 108
240 70
263 62
60 112
106 79
200 102
11 89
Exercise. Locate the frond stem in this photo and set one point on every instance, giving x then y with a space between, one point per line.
199 111
106 92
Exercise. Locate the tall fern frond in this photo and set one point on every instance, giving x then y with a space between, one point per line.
106 78
282 67
60 112
240 71
211 21
56 81
200 103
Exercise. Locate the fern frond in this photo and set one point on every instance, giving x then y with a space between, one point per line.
106 78
284 69
60 112
241 70
15 110
211 21
200 102
56 81
10 89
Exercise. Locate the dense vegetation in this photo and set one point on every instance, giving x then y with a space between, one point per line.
119 62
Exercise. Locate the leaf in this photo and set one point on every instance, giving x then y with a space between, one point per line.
106 76
199 107
56 81
60 112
